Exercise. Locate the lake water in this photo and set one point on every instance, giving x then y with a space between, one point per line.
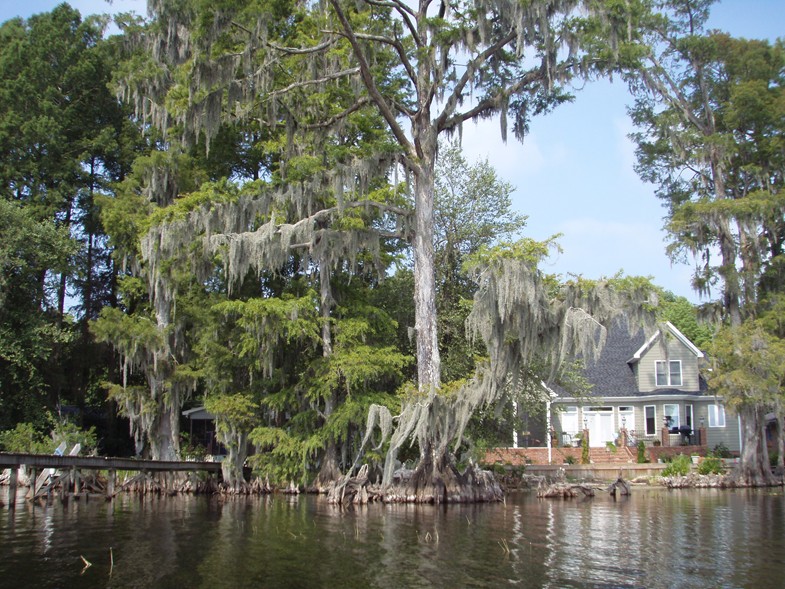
655 538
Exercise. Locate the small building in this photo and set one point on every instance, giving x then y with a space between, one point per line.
201 431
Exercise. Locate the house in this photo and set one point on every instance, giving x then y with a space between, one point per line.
649 385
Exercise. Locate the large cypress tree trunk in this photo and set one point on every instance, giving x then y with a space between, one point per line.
428 359
232 466
436 479
754 469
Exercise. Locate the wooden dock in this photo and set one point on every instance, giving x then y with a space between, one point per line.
72 466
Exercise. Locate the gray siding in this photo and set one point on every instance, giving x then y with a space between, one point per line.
669 349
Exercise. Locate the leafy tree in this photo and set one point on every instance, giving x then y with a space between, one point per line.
29 248
709 109
64 138
402 59
685 316
472 209
749 374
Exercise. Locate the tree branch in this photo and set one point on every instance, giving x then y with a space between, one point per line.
367 77
327 78
468 75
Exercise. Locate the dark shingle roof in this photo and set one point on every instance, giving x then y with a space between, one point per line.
612 375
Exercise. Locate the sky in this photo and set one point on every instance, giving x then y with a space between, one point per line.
573 174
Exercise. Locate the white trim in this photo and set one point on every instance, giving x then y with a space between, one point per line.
676 333
668 373
548 430
645 419
660 397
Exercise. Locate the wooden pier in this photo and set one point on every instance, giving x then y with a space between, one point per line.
72 466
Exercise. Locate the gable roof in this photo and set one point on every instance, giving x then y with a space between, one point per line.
657 335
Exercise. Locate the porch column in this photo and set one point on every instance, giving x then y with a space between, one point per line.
548 430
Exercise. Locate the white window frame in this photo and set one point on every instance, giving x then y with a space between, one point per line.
570 411
668 373
675 416
646 420
689 415
716 415
627 411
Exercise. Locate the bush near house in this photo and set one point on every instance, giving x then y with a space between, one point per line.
679 466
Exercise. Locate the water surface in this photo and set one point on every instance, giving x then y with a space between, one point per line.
655 538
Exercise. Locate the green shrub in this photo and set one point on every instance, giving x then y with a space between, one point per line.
24 438
585 450
678 466
721 451
710 465
70 433
642 452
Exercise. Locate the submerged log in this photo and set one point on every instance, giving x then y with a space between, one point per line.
564 491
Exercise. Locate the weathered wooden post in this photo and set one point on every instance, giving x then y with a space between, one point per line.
12 480
33 479
111 483
75 477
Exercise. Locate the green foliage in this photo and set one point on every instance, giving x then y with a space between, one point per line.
710 465
641 448
232 412
684 316
748 366
679 466
25 438
585 450
721 451
281 457
29 331
70 433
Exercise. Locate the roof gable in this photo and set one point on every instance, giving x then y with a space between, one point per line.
657 335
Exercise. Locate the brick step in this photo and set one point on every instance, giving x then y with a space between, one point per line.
603 455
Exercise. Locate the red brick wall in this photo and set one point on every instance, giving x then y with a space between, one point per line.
520 456
654 453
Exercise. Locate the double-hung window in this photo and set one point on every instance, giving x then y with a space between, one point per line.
716 416
650 419
668 373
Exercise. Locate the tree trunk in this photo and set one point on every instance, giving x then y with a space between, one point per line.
329 473
232 466
780 421
428 358
754 469
164 434
437 480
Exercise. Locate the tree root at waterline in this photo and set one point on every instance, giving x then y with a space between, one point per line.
422 485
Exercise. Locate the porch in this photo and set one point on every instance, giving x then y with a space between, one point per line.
625 451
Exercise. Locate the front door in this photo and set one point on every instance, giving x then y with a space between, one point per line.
600 423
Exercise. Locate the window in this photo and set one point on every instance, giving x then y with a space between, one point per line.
667 373
688 416
716 416
672 416
627 418
569 419
650 417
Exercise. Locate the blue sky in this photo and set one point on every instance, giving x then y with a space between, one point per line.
573 174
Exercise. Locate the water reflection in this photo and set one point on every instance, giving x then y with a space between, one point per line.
652 539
